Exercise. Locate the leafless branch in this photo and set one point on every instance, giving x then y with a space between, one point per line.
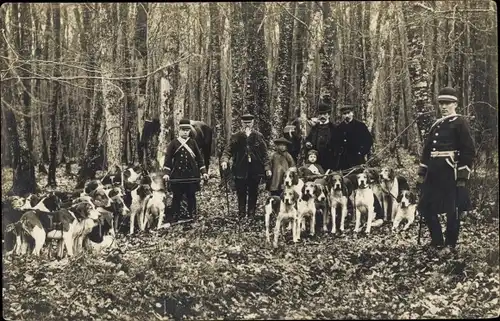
296 18
104 78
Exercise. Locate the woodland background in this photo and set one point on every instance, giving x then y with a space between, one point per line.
79 81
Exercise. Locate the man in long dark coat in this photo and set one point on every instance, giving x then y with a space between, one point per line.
248 150
445 167
184 164
353 140
321 137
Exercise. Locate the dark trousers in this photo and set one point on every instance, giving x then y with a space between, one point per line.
247 187
452 229
178 191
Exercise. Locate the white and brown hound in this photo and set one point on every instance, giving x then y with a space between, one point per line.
139 198
154 204
389 190
285 207
61 225
364 200
291 179
306 207
406 209
340 190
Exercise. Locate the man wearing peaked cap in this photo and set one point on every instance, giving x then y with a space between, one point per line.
184 162
248 150
321 137
445 167
353 140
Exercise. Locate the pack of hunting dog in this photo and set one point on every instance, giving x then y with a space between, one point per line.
321 183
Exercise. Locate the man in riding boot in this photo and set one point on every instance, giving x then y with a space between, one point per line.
353 140
183 164
321 137
445 167
248 150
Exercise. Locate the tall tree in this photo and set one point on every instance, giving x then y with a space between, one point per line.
56 96
88 163
215 84
112 93
141 63
24 172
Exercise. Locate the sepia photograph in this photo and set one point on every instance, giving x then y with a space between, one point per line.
332 160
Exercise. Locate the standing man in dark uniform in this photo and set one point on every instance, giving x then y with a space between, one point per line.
183 164
250 163
444 169
353 140
321 137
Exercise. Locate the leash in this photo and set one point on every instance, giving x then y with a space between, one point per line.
185 180
364 166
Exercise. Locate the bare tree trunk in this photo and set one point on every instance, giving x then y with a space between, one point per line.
204 75
226 70
56 97
239 65
257 92
140 41
316 40
88 163
215 92
419 75
112 93
284 75
24 172
180 90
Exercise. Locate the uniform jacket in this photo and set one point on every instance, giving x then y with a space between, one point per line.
322 137
440 193
448 134
180 164
280 162
352 142
240 148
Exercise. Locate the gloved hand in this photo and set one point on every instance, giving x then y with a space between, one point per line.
268 173
205 177
224 166
166 177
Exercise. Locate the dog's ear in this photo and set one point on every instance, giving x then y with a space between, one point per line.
413 198
282 196
296 195
317 189
295 178
353 179
391 173
399 198
304 189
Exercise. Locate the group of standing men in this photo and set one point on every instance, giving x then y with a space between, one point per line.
338 147
445 163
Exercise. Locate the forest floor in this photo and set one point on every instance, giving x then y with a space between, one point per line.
208 270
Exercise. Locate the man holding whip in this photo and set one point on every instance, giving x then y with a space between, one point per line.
445 167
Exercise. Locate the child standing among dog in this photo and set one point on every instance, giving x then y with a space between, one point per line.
312 158
183 164
281 161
